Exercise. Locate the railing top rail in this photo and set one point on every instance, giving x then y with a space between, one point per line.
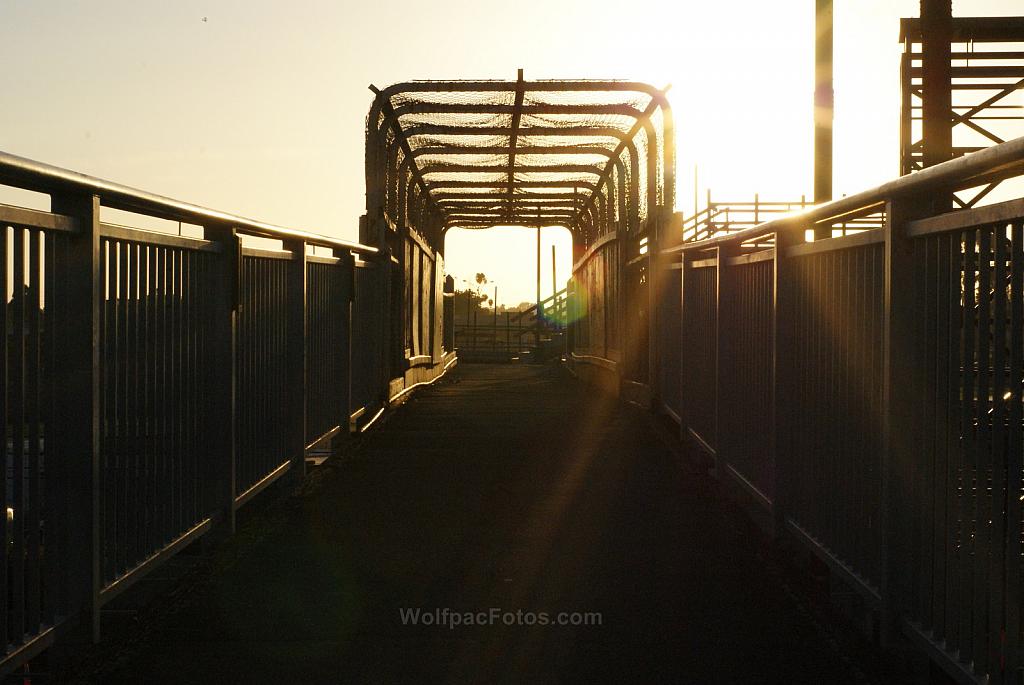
555 298
1002 160
29 174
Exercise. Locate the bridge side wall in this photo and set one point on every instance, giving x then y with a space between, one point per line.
862 395
154 384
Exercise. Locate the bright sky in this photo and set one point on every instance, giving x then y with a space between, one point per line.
259 109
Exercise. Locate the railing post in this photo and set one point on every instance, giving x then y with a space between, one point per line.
725 357
449 314
654 263
722 253
391 319
296 362
223 393
80 405
898 400
346 263
781 418
685 273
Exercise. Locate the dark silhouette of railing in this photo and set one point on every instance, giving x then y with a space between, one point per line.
515 335
722 217
865 391
153 384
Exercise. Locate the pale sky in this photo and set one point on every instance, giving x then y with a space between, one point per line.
260 109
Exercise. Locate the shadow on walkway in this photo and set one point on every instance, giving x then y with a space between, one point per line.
509 488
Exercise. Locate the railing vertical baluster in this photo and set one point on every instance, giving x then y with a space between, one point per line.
80 408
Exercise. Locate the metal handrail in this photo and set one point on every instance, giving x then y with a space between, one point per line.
999 161
29 174
557 298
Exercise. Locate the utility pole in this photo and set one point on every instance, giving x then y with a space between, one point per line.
824 108
554 280
695 193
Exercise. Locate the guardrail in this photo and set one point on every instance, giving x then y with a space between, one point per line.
153 384
722 217
866 392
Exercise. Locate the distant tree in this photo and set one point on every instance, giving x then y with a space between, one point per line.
481 279
475 299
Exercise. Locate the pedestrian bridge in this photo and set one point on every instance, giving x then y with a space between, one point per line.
858 390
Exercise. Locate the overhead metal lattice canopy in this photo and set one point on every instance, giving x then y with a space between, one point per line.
587 155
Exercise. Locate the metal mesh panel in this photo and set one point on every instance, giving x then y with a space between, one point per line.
491 152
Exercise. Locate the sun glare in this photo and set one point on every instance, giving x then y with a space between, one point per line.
507 256
741 86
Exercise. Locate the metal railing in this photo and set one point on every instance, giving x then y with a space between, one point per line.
152 384
725 217
551 312
866 391
492 337
510 335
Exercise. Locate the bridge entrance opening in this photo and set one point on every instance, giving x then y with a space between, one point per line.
498 277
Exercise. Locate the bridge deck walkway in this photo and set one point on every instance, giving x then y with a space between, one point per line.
505 487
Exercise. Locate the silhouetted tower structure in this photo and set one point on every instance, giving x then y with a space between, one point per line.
936 81
956 75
